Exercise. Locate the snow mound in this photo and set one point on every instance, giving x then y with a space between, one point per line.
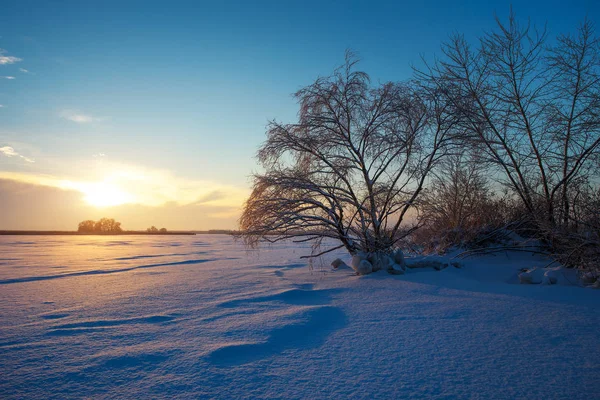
311 331
548 276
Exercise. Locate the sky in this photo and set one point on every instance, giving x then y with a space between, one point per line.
151 112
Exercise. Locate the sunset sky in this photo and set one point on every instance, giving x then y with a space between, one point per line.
151 112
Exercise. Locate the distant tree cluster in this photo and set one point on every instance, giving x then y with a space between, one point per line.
154 229
104 225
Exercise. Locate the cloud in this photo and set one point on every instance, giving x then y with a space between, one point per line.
8 77
4 60
77 117
1 106
111 184
10 152
29 160
23 70
80 118
213 196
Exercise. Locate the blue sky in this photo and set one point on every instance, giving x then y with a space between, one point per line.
181 91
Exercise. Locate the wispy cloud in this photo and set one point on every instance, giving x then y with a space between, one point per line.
1 106
4 60
10 152
8 77
29 160
212 197
78 117
23 70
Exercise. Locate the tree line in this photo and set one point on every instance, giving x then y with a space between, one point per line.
500 135
109 225
154 229
104 225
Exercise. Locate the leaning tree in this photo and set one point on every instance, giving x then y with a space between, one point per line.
351 168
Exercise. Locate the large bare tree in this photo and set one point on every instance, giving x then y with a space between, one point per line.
352 167
532 109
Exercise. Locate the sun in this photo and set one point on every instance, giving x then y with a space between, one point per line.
104 195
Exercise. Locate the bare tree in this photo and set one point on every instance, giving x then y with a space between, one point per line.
352 167
574 114
86 226
533 110
108 225
460 207
458 195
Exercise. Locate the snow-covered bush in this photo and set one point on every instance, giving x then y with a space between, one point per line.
577 244
460 209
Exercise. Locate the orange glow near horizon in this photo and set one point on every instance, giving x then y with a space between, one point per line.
117 184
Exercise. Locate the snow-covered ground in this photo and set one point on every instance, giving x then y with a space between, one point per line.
201 317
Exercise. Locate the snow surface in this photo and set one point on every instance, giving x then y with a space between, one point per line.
201 317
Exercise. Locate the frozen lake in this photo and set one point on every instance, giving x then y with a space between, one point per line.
202 317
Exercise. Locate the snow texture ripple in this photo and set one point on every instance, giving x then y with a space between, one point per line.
203 317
